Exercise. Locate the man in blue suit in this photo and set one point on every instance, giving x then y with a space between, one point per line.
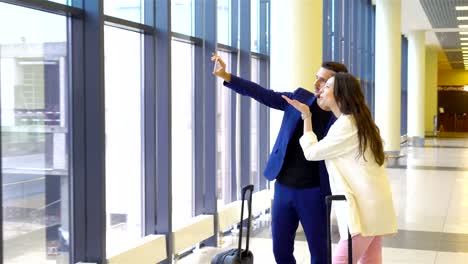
301 185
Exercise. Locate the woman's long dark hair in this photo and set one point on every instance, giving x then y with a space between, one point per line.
350 100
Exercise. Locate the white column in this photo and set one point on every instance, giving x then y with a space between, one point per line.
388 72
296 49
416 86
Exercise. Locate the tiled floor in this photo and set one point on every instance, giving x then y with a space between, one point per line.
430 188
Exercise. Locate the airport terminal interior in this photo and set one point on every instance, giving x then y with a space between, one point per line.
119 145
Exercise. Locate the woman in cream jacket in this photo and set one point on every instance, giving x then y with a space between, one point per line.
354 156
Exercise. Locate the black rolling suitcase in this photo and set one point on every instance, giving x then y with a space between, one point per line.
239 255
328 200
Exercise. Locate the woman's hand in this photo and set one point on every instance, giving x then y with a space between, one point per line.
220 68
303 108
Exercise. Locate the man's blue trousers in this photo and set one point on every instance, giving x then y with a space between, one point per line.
291 206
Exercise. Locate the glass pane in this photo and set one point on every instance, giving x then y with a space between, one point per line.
64 2
126 9
255 24
254 128
124 183
34 129
224 22
223 137
182 16
182 132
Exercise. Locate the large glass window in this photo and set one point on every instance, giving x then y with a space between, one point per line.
183 16
34 128
123 117
126 9
254 128
346 40
182 132
224 134
224 21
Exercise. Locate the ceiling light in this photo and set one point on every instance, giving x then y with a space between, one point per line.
463 39
461 8
463 32
463 26
464 43
462 18
465 87
465 48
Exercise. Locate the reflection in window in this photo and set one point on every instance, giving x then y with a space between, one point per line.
223 137
254 128
182 16
224 21
123 138
34 130
182 132
126 9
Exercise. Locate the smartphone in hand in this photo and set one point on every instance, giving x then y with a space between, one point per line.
217 66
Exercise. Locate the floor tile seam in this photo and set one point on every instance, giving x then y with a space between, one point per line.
442 147
427 168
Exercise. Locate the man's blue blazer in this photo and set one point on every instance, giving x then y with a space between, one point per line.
291 118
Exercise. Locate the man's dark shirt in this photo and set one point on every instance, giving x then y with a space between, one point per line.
297 172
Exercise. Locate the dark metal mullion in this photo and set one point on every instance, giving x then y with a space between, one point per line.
210 113
48 6
245 105
264 126
163 123
128 25
337 31
347 33
95 169
372 59
77 141
225 48
233 112
326 34
404 86
356 17
187 38
198 124
262 27
258 55
149 124
205 111
263 135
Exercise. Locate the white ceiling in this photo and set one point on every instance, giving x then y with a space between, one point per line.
413 17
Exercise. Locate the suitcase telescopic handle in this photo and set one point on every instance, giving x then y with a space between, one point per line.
328 200
246 188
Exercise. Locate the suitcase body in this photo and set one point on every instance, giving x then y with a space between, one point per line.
239 255
232 257
328 201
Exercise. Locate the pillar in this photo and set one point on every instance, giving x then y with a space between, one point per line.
388 72
416 86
